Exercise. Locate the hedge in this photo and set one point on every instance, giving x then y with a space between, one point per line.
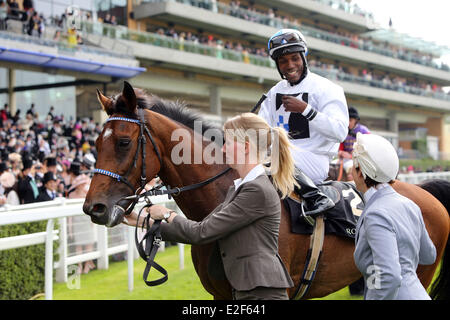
22 272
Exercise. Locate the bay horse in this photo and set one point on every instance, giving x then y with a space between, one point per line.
120 140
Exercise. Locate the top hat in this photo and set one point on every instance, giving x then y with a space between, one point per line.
49 176
27 163
75 167
51 162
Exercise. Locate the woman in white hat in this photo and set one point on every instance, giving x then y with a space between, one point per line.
391 239
8 182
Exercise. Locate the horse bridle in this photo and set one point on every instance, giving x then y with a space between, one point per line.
152 238
142 141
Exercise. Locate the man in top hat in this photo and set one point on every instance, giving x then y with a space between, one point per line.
48 190
28 190
50 163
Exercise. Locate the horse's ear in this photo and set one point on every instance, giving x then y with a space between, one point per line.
106 102
129 96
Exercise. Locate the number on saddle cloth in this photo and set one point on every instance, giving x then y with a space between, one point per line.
341 219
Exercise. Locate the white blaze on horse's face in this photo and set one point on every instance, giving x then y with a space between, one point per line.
108 132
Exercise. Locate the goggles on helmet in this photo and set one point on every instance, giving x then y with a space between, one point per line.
285 40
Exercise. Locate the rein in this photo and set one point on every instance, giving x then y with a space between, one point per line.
150 243
152 240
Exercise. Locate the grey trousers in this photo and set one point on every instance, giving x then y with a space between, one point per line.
261 293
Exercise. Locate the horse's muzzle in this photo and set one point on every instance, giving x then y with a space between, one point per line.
99 214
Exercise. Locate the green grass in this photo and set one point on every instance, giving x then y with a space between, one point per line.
112 284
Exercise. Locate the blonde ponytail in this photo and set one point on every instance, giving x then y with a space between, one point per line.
282 165
271 145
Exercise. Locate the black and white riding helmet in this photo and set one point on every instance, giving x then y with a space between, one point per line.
288 41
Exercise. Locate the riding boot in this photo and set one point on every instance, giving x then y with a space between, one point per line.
314 201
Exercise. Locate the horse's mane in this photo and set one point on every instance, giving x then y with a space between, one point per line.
175 110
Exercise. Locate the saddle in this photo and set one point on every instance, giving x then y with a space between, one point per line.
340 220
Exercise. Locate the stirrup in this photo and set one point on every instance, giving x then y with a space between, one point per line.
307 218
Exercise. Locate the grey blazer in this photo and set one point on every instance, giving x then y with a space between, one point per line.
391 240
246 226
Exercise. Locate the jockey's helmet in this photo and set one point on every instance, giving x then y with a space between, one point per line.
288 41
376 157
353 113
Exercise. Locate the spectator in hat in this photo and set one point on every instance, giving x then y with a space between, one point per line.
80 227
88 162
28 190
50 163
48 191
15 160
9 184
3 168
39 174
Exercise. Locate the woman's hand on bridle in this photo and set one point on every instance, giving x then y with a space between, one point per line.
131 219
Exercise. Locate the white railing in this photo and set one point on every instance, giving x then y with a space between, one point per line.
422 176
61 209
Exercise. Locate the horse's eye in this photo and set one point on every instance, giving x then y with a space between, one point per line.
124 142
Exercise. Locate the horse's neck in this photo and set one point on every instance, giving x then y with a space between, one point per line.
198 203
195 204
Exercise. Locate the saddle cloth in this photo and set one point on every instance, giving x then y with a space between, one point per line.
340 220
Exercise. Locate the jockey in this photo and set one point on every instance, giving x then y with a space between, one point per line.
346 148
314 112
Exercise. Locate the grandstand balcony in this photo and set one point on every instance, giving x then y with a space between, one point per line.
222 21
19 51
158 50
336 12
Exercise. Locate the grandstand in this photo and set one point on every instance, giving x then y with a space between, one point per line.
212 55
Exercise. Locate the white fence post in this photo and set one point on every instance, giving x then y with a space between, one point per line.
130 258
49 260
181 255
61 271
102 243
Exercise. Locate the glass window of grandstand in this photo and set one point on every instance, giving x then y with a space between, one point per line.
112 11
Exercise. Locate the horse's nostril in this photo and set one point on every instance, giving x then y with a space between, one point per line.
98 210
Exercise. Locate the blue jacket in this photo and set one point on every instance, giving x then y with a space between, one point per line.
391 240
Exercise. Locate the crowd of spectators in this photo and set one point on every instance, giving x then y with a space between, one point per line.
272 18
337 72
43 160
33 23
380 80
209 40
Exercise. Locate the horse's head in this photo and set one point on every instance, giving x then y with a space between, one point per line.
119 165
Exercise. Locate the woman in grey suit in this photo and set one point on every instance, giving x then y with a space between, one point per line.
246 224
391 239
